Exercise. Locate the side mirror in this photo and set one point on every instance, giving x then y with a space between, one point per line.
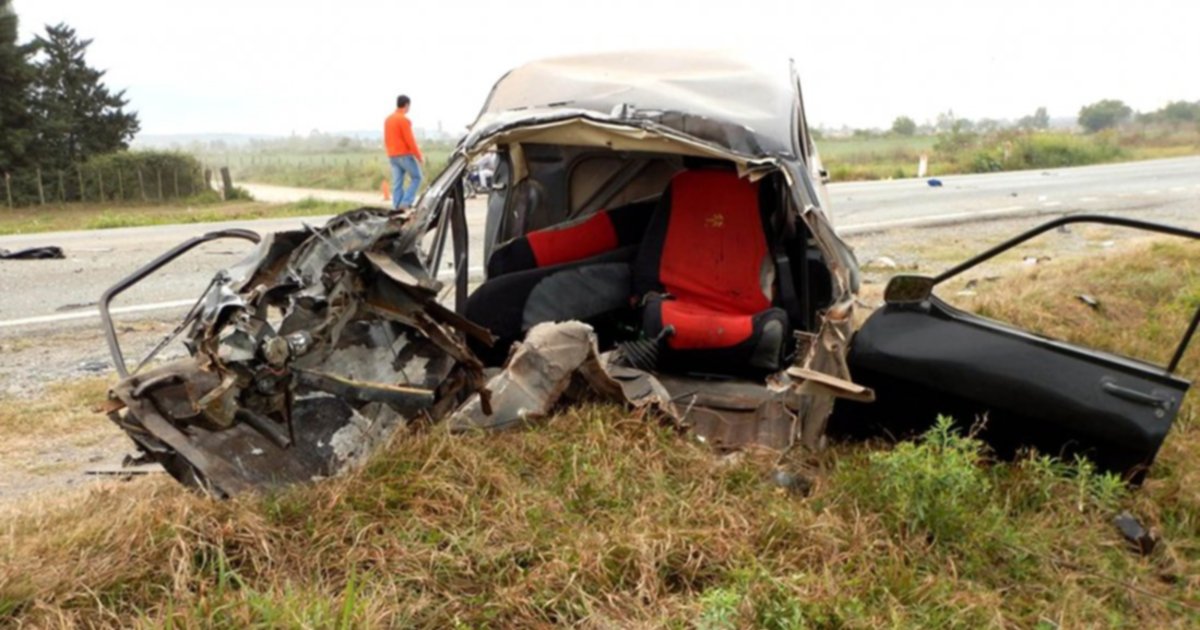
907 289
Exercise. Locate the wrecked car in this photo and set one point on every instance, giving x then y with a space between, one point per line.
654 234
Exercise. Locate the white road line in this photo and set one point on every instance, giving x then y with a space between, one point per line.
473 273
916 221
65 317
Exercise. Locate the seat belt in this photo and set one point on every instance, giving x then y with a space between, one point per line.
783 265
787 287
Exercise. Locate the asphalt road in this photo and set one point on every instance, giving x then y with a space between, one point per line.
53 293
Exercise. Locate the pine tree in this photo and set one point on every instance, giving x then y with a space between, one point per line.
80 117
16 75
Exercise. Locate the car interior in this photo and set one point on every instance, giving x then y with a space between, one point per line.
682 263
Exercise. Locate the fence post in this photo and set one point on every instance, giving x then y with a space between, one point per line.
41 191
208 179
62 187
79 169
142 184
175 178
100 179
227 182
158 175
121 184
8 188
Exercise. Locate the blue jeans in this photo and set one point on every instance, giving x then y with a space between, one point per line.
404 165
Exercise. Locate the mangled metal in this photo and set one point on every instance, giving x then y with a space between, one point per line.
322 344
304 358
325 341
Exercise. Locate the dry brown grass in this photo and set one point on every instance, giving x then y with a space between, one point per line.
95 216
65 409
600 519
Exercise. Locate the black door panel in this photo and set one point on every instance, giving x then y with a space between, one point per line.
929 360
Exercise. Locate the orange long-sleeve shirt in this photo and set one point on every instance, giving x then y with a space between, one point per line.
398 136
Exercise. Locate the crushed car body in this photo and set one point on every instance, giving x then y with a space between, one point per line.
654 234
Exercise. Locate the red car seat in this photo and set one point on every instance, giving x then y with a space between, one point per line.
705 269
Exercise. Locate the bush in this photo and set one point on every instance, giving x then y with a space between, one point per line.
237 193
934 486
1104 114
1017 151
115 177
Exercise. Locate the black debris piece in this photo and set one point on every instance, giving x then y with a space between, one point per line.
33 253
1141 539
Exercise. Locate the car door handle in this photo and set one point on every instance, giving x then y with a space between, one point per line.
1133 395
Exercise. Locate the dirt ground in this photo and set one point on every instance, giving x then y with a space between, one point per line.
60 371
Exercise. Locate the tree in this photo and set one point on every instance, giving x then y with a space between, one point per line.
1181 111
1103 114
16 78
80 117
1039 120
904 126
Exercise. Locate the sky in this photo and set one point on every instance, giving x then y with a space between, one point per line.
275 67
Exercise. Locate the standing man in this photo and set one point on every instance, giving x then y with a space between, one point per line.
403 154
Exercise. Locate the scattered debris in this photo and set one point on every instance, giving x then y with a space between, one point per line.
882 262
793 483
935 183
94 366
1089 300
33 253
1139 538
74 306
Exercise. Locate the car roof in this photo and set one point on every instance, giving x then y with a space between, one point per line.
753 93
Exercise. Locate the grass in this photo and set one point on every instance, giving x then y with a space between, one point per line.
1147 292
889 156
604 518
90 216
363 170
63 410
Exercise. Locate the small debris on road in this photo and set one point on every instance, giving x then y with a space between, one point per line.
33 253
93 365
74 306
935 183
882 262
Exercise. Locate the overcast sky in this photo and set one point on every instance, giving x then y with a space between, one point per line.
256 66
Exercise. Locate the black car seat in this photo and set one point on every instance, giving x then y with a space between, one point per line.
706 276
577 270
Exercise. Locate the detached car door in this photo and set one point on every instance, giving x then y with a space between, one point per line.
924 357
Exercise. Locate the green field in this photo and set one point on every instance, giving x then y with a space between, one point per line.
839 149
888 156
358 169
